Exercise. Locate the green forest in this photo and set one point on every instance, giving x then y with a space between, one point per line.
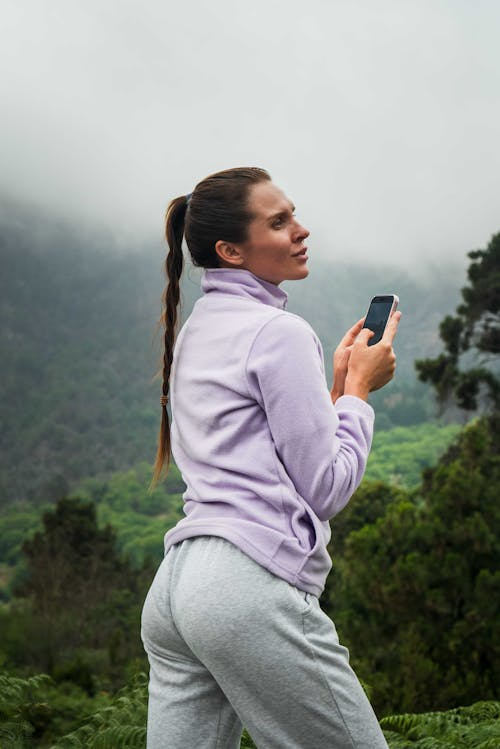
79 351
415 585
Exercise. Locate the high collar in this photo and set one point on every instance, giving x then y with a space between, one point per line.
244 284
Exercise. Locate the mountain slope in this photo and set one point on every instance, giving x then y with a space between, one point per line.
78 349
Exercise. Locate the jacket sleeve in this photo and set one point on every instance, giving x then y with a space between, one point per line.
323 447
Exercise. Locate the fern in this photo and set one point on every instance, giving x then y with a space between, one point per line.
246 742
15 734
15 690
18 700
473 727
122 724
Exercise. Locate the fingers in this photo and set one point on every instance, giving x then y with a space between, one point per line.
391 328
343 360
352 333
357 327
364 336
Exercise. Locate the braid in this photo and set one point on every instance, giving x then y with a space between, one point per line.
216 209
173 265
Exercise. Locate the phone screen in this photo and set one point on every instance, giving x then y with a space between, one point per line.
378 314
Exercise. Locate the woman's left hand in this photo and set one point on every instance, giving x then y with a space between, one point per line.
341 359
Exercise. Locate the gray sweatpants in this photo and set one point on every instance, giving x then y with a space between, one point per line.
231 644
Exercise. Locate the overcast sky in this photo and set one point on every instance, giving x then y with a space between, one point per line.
380 119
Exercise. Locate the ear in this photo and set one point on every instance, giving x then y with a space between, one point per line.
229 253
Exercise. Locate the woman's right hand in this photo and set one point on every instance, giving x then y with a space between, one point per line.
371 367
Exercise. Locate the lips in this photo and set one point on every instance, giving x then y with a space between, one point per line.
301 252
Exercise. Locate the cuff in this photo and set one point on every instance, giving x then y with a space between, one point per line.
358 405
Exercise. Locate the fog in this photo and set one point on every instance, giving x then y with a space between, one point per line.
379 119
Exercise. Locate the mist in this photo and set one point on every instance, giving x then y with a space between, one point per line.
380 120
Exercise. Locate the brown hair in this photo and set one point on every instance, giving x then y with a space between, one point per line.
216 210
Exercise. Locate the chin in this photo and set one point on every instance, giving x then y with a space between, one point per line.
295 276
303 273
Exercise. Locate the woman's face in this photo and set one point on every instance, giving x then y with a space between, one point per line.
274 249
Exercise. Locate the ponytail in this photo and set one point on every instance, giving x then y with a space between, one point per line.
216 209
174 231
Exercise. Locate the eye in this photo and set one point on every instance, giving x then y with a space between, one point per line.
281 220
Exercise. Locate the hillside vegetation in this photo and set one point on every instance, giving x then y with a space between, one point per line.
121 721
141 519
79 354
414 593
415 587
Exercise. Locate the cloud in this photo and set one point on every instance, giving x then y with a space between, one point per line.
379 119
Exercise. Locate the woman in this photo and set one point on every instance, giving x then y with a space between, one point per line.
232 624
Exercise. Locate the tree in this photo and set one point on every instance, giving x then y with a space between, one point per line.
80 597
72 564
417 593
473 335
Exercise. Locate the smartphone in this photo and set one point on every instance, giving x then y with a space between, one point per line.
380 309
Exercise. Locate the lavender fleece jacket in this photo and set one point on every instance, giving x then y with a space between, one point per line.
267 458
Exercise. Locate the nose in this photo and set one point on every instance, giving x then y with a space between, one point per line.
300 232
